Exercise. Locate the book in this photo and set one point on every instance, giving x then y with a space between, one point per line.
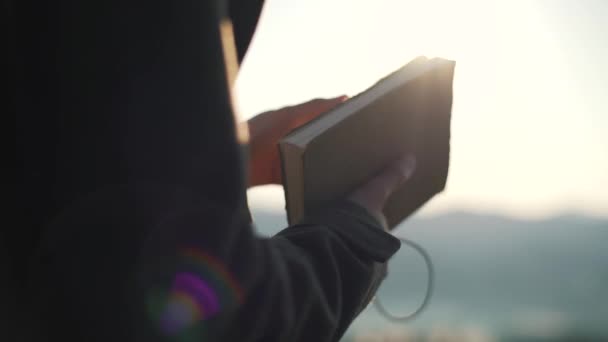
408 111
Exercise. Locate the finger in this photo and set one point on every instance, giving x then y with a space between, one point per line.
397 173
330 101
322 105
392 177
376 191
313 108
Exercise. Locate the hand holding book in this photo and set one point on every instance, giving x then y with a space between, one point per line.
408 111
374 194
266 129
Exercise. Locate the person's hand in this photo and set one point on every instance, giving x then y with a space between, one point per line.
266 129
373 194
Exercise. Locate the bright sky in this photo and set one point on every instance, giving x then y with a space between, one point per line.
530 114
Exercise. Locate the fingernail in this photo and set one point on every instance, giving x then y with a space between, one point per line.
343 98
407 165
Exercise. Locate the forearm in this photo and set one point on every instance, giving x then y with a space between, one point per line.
318 275
353 264
305 284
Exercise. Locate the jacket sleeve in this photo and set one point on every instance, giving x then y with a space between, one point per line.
152 263
307 283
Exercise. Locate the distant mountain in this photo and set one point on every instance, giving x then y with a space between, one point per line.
517 277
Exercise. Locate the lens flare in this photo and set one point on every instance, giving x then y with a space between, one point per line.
201 288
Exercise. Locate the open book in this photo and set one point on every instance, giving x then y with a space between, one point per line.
407 111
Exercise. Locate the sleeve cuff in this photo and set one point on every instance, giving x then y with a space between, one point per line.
359 228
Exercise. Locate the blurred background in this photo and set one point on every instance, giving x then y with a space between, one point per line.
519 238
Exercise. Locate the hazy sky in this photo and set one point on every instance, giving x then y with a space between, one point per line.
530 114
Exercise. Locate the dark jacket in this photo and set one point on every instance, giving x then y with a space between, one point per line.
131 209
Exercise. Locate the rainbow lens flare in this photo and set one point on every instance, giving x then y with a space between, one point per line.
201 288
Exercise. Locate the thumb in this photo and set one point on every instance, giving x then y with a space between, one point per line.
373 194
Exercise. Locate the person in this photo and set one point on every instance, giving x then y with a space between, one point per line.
132 172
